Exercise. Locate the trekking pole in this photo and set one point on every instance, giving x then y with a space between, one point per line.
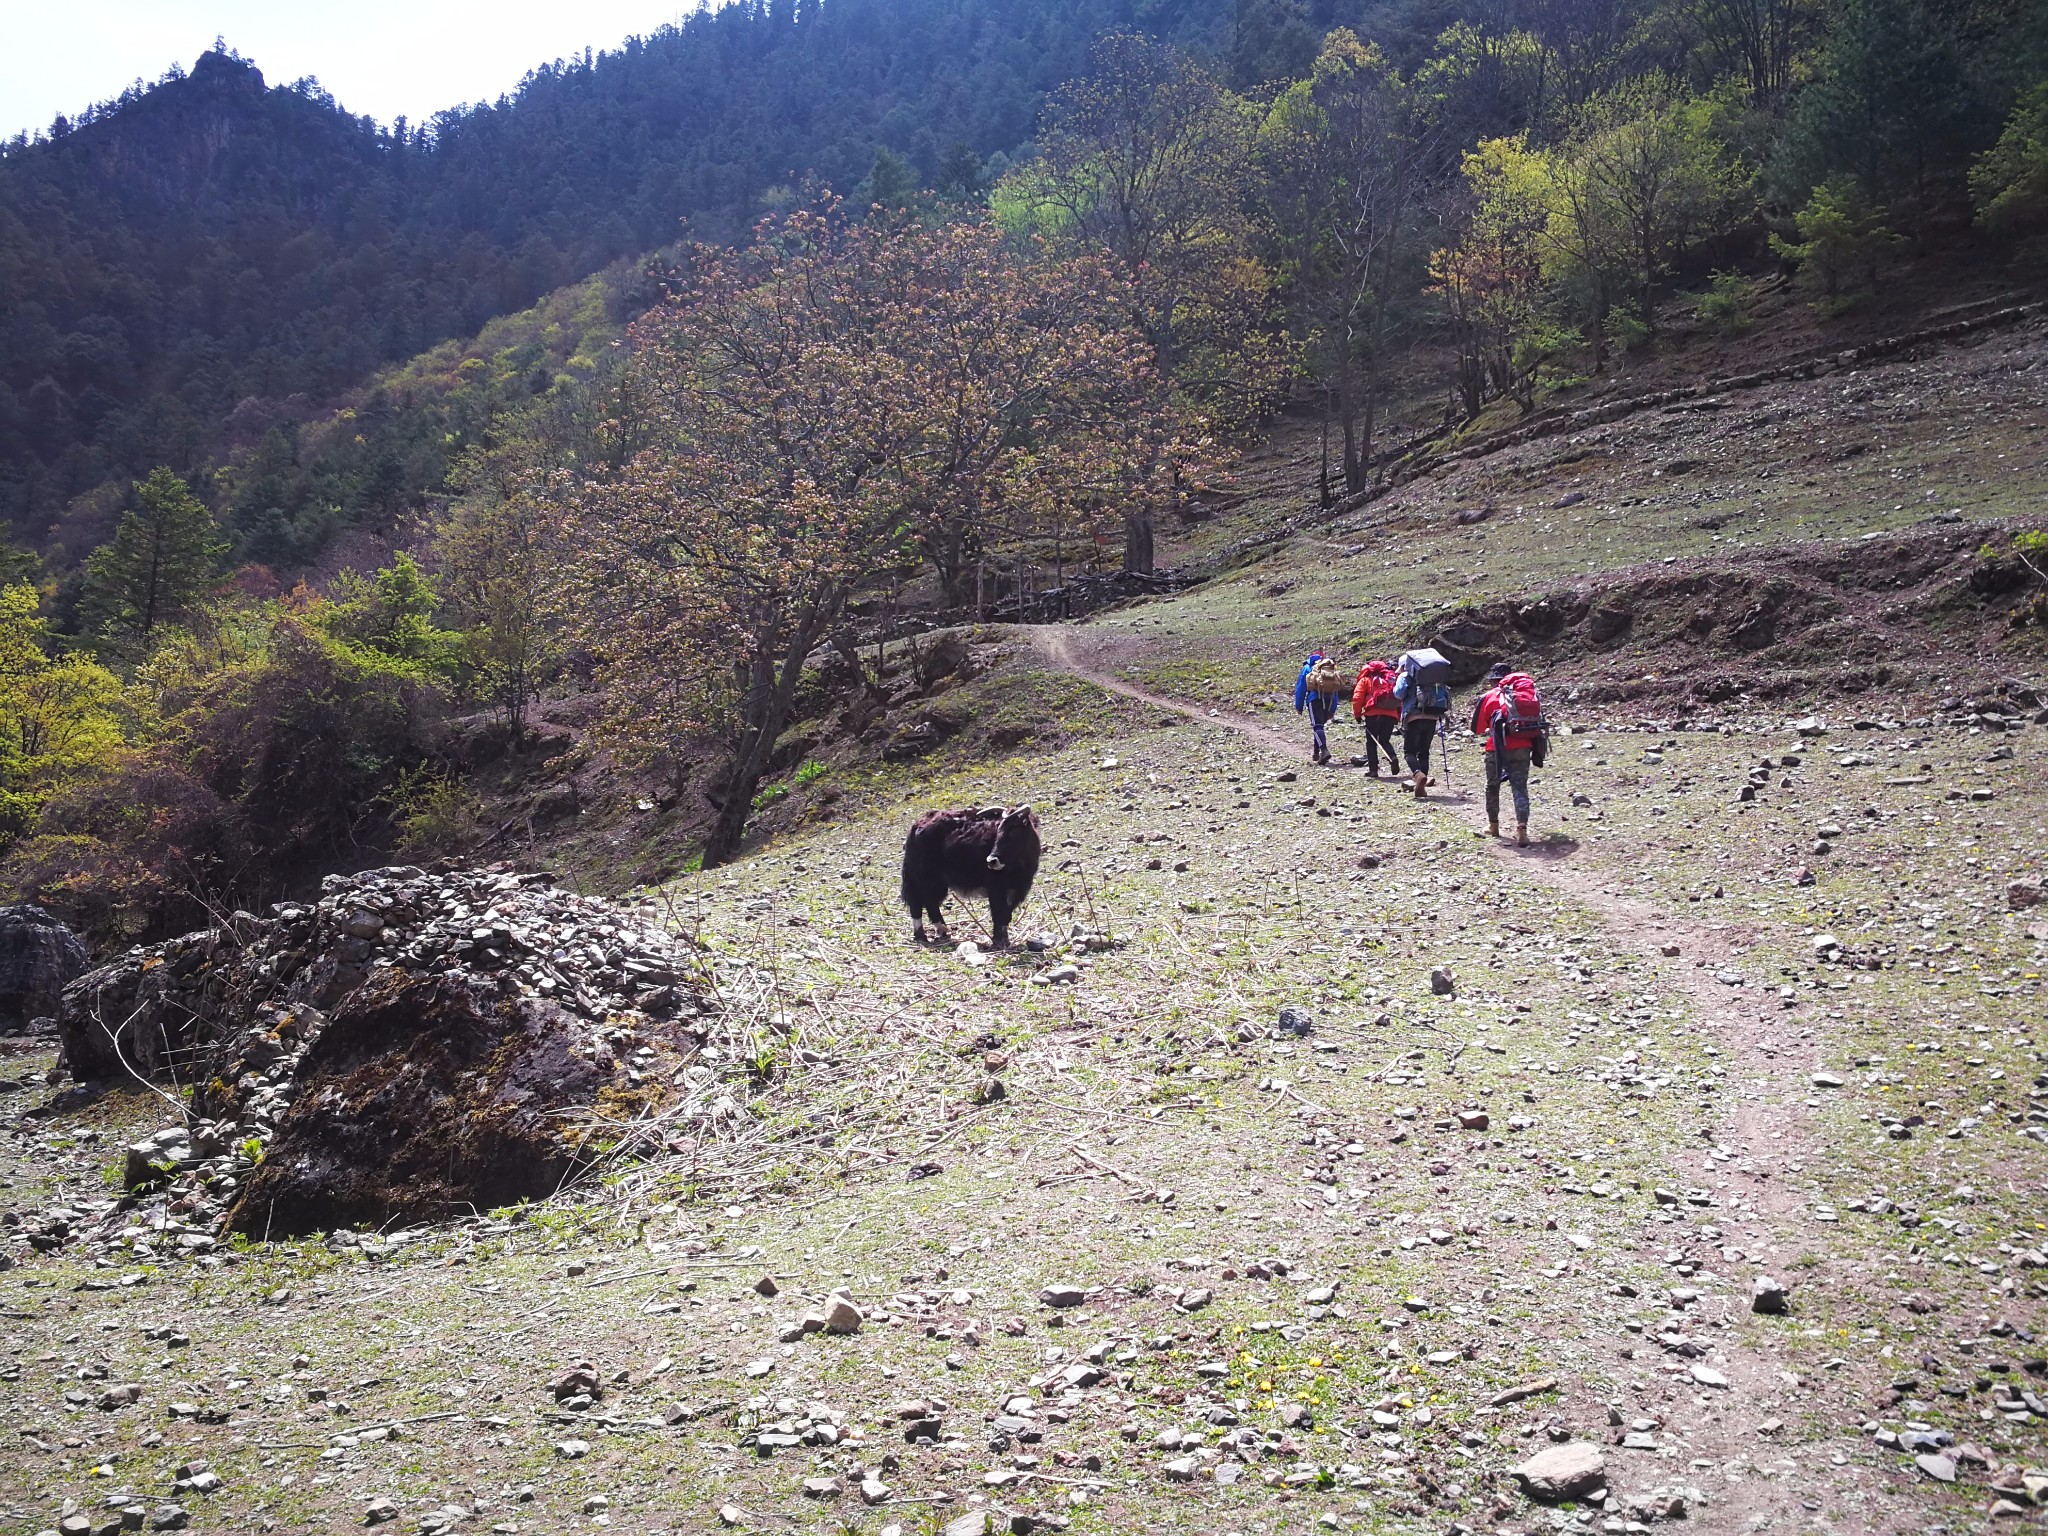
1443 732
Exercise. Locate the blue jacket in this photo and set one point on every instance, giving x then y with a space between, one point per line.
1301 682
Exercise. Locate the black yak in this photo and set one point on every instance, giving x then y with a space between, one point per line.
992 853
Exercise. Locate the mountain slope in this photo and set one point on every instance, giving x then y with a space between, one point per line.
214 238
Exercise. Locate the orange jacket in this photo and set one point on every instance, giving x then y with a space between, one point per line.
1374 694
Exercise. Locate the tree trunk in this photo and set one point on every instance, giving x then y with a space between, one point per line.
1138 552
730 826
1347 417
765 714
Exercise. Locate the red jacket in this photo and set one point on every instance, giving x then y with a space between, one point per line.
1482 725
1374 694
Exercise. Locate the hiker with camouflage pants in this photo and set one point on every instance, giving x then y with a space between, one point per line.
1509 721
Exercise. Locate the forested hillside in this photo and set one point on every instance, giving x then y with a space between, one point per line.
213 242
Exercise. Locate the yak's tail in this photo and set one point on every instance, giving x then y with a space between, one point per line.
906 889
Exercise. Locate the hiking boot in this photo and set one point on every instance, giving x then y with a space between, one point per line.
1522 834
1493 826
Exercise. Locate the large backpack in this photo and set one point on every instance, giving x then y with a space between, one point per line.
1429 682
1520 712
1327 677
1375 691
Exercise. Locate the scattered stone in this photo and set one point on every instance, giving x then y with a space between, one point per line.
1829 1080
381 1510
841 1315
1941 1468
572 1450
1707 1376
1769 1296
1522 1390
1473 1120
1567 1471
1062 1296
2023 893
1443 982
766 1286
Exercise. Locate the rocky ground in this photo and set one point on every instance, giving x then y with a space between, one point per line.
1341 1162
1317 1164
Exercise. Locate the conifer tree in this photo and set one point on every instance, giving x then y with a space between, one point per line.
163 555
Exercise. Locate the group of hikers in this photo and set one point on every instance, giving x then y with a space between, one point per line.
1414 692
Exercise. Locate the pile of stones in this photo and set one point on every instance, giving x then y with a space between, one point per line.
422 1001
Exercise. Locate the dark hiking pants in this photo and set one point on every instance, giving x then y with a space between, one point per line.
1416 735
1379 737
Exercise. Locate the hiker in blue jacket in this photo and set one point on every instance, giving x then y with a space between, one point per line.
1423 688
1320 702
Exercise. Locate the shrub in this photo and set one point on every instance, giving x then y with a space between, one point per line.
1727 303
1842 237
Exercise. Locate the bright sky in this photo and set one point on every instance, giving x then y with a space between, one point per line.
382 58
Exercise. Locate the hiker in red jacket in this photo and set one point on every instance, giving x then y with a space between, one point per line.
1374 706
1509 721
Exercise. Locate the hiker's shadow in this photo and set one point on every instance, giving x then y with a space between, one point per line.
1554 846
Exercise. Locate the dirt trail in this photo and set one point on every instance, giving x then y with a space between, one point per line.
1768 1082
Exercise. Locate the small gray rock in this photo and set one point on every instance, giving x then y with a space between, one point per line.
1768 1296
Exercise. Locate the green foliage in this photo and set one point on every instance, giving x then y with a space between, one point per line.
435 814
275 749
811 772
1626 330
163 556
1891 108
1727 304
1842 238
891 184
388 619
2009 183
495 551
58 717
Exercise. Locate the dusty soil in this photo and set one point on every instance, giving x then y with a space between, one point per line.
1213 1209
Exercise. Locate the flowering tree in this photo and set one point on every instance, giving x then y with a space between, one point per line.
835 405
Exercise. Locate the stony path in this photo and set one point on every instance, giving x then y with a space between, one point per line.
1721 1424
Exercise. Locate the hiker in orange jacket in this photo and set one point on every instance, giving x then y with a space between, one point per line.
1374 706
1509 722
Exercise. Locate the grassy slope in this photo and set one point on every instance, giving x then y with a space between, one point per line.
1538 1250
1877 450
